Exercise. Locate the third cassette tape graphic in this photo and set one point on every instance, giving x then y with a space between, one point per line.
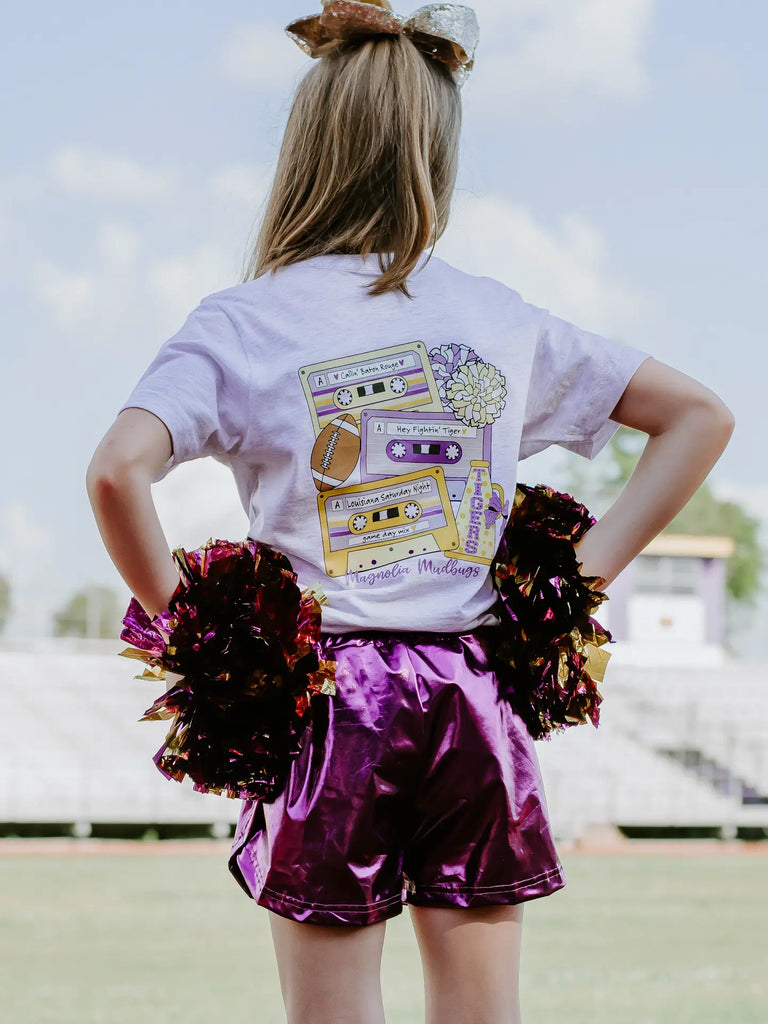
394 442
385 521
399 377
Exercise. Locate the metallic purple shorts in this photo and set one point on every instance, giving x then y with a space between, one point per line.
414 783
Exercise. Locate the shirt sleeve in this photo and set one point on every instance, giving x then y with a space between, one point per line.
576 380
199 385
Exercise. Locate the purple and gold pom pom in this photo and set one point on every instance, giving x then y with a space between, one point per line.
548 646
245 641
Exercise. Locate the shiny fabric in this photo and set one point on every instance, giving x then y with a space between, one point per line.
447 32
414 783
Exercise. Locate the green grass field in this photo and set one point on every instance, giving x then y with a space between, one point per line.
125 939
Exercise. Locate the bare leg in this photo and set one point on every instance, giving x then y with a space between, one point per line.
471 961
329 974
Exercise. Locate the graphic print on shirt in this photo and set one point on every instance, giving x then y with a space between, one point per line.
402 455
399 377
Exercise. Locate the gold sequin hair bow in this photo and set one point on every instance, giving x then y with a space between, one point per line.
447 32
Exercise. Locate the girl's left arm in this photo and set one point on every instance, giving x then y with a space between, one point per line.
118 481
688 428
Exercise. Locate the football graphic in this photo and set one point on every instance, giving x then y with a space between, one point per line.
336 452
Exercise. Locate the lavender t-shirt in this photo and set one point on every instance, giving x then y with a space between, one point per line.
375 440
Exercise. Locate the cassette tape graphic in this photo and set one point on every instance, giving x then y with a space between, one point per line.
399 377
375 524
396 441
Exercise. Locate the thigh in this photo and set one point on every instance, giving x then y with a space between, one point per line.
329 974
471 961
483 836
329 849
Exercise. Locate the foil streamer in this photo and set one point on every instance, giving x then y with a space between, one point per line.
548 647
245 642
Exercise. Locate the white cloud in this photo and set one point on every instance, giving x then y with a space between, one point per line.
105 177
198 500
564 270
178 283
261 54
124 285
96 296
541 50
118 246
71 295
246 184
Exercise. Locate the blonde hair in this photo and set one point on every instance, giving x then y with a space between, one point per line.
368 162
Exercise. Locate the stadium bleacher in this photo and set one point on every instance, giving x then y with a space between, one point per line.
72 748
718 716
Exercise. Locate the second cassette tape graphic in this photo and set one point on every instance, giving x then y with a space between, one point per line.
378 523
398 441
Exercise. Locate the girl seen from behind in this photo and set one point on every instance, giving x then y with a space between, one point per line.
373 402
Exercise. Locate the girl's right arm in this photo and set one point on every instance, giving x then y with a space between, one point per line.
688 428
119 484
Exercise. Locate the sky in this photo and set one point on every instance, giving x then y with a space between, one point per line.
612 171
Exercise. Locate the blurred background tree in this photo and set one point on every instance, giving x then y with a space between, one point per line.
704 515
5 602
91 612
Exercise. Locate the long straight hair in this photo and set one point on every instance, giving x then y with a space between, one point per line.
368 162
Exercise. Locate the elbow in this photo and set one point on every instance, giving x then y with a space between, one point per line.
729 420
722 419
711 417
93 477
99 479
104 478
